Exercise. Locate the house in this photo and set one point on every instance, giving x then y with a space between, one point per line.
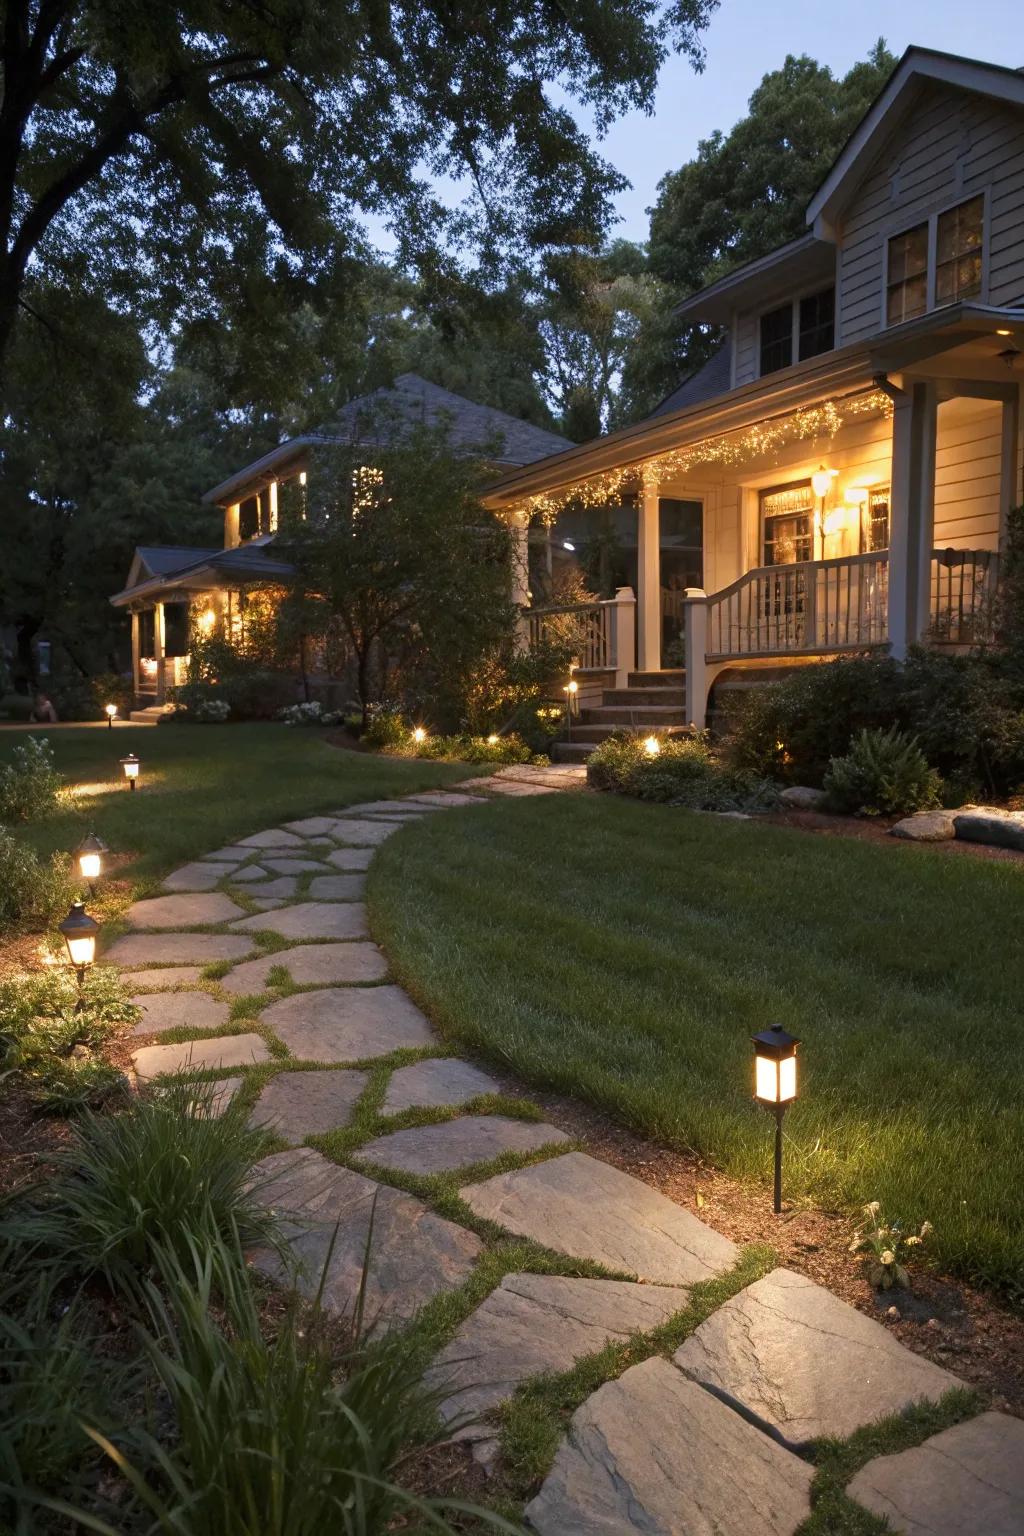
171 592
837 478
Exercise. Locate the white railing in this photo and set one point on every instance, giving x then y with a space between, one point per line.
814 606
962 595
586 627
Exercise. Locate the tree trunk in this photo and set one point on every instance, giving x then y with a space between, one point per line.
25 677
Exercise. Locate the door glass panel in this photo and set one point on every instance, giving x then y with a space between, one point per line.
681 539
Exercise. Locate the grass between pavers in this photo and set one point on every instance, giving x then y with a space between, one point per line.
625 953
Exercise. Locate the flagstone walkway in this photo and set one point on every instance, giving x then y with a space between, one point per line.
713 1442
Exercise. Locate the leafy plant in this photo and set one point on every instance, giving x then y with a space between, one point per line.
885 773
52 1046
211 711
311 712
29 783
32 891
888 1245
681 771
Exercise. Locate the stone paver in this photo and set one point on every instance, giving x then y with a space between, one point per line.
652 1452
165 976
310 826
310 964
429 1084
445 797
298 1104
966 1481
196 1055
266 903
414 1254
337 887
804 1363
511 787
203 875
347 1024
271 839
363 834
230 855
179 1010
293 866
181 911
585 1208
351 858
311 920
247 873
177 949
534 1323
458 1143
384 807
281 889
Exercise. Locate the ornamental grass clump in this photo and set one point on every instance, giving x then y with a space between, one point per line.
889 1246
884 773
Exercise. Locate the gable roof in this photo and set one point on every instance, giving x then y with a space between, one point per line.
160 568
714 378
387 414
916 67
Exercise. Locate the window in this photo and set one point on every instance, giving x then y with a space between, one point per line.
958 244
817 323
249 518
777 339
787 514
907 293
875 527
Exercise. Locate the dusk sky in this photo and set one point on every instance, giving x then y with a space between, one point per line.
747 38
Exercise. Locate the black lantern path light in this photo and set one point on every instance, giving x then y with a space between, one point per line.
775 1083
130 769
89 855
80 930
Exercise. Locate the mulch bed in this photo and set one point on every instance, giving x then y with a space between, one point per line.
875 829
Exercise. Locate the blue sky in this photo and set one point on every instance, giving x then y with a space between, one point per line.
747 38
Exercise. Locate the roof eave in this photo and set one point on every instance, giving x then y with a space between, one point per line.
718 300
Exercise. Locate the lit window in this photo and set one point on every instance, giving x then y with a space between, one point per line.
787 514
907 294
958 252
875 527
817 323
777 339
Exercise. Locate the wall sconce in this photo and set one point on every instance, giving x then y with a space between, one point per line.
130 768
821 481
80 930
775 1083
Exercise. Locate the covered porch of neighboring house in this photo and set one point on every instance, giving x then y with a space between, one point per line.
171 594
870 516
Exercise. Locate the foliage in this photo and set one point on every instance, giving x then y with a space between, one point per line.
29 782
389 732
311 713
210 711
888 1244
33 891
164 1175
682 771
54 1047
386 731
246 675
884 773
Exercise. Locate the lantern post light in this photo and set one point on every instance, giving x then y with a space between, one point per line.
111 710
652 746
130 768
419 735
493 738
571 691
775 1079
80 930
89 854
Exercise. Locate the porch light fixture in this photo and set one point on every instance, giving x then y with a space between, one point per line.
419 735
855 495
652 746
89 854
1004 333
80 930
111 711
821 481
130 769
775 1085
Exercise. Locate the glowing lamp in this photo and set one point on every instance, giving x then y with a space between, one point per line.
207 619
1004 333
89 854
492 740
571 547
419 735
652 746
775 1085
130 769
80 930
855 495
821 481
111 711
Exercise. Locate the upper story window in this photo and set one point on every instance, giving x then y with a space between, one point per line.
948 249
797 330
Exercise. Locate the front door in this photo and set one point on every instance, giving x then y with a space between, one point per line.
681 548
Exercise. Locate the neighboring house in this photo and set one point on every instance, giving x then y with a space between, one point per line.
838 476
170 591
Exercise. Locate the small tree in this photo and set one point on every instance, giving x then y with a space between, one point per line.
399 552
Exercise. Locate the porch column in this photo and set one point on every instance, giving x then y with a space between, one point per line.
1010 493
911 515
158 651
648 587
136 641
520 526
231 536
695 621
624 635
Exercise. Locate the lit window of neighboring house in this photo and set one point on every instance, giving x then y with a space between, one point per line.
797 330
951 246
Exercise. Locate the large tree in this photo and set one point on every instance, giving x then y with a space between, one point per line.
143 146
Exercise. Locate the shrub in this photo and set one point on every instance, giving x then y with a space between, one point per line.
32 892
211 711
29 783
386 731
685 771
52 1046
310 713
885 773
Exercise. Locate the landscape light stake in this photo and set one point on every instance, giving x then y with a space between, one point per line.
80 930
775 1079
571 690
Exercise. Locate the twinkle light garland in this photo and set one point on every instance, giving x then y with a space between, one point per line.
729 448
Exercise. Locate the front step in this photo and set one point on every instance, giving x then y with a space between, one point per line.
149 715
675 678
637 698
619 715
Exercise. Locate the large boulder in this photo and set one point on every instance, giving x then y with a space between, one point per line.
926 827
800 797
988 824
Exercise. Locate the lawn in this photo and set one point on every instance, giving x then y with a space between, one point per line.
201 786
625 953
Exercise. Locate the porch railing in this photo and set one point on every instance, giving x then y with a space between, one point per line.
813 607
962 595
586 627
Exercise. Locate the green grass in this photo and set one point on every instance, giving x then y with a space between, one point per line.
625 953
202 786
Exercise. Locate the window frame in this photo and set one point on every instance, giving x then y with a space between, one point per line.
772 490
908 223
793 304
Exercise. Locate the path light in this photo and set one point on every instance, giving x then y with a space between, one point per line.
571 691
652 746
419 735
80 930
130 769
775 1085
493 738
89 854
111 710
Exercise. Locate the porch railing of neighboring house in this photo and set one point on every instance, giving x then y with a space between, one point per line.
962 595
815 606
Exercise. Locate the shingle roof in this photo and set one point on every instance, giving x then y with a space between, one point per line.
703 384
160 559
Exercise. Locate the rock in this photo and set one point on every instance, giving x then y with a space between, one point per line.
164 976
579 1206
444 798
266 903
299 1104
230 855
247 873
800 797
311 826
293 866
179 1010
804 1363
430 1084
1005 829
510 787
458 1143
414 1255
351 858
311 920
177 949
281 889
653 1453
198 1055
926 827
271 839
382 807
181 911
352 1024
337 887
966 1481
310 964
363 834
201 876
534 1323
